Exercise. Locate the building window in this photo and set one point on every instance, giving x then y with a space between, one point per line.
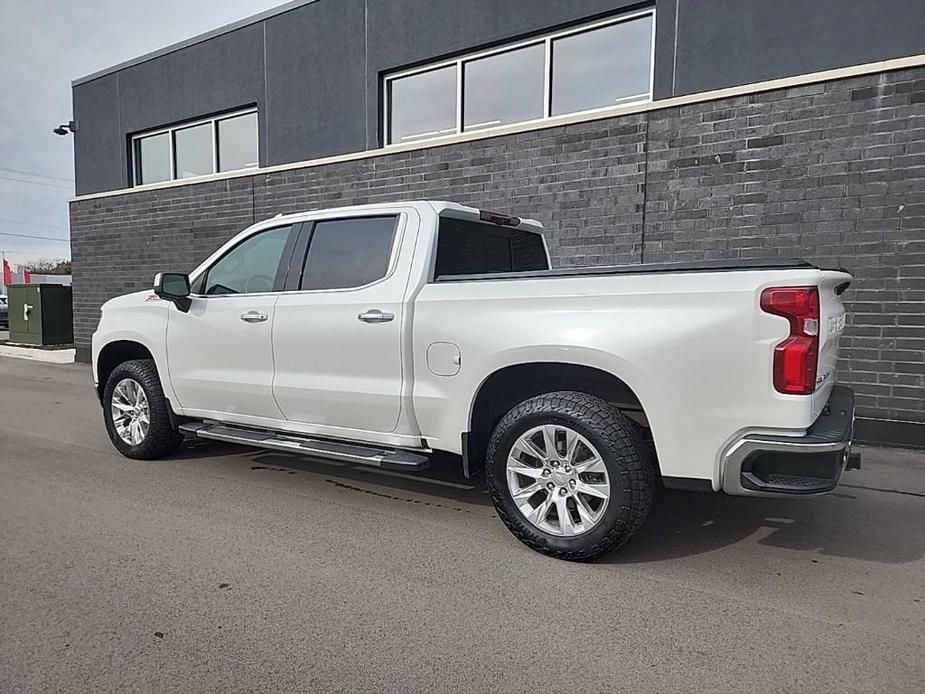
504 88
223 143
423 105
154 151
193 151
579 70
237 142
602 67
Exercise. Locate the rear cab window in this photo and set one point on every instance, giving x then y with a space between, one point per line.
469 247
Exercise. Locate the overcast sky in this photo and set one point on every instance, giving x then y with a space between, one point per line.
44 44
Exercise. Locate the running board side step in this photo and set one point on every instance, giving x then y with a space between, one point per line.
385 458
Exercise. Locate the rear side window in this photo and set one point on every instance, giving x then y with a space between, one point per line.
469 248
345 253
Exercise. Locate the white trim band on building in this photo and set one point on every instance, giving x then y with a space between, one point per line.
555 121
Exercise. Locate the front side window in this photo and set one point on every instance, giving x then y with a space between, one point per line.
605 64
212 145
345 253
250 267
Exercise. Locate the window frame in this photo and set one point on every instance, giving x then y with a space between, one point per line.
171 130
546 39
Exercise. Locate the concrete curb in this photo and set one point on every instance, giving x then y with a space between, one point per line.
51 356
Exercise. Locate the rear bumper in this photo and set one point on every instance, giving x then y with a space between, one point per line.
763 465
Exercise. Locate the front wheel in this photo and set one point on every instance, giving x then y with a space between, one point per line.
570 475
136 412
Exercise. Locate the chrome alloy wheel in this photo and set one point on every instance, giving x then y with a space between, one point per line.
129 408
558 480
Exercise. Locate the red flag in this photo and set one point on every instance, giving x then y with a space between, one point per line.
26 277
7 273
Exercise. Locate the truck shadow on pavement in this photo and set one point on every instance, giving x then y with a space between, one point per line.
863 524
854 522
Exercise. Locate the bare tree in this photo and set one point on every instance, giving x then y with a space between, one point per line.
44 266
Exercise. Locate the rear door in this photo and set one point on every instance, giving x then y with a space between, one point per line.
337 338
219 353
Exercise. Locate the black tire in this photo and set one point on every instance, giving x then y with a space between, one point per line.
630 467
161 439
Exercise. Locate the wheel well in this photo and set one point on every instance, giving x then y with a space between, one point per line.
114 354
512 385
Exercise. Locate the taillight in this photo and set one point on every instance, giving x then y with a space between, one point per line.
795 358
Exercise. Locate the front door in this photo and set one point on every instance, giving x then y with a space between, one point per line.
337 340
220 352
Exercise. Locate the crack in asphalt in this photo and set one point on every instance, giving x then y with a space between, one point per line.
887 491
393 498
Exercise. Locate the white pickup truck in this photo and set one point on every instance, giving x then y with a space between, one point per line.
381 334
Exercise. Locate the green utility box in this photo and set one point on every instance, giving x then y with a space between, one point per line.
40 314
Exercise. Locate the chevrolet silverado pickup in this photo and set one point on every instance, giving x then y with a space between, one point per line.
382 334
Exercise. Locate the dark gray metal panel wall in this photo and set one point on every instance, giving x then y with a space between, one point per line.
832 172
99 149
723 43
325 61
316 71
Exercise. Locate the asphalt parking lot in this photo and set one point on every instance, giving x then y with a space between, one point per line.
237 570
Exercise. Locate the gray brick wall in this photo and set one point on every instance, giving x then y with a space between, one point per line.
831 172
834 173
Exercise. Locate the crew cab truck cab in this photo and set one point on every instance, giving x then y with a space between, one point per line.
380 334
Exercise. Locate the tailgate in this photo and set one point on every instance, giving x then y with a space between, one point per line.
831 326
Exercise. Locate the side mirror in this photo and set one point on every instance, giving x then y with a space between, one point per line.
173 286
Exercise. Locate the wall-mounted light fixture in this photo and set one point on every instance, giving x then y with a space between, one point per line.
66 128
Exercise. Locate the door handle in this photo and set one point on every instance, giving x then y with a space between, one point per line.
253 317
374 315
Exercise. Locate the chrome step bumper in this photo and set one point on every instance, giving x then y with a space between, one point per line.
385 458
761 465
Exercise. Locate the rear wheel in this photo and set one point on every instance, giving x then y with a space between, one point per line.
570 475
136 412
